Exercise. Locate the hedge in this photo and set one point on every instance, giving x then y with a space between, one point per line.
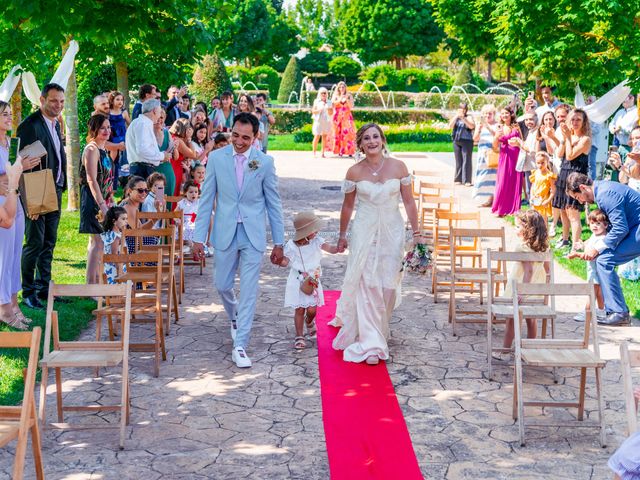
409 79
288 120
426 100
394 134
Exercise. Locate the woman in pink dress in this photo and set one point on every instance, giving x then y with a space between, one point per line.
508 181
344 129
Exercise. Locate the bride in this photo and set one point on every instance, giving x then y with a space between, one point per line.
371 287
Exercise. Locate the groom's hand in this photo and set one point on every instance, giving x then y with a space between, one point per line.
277 254
198 250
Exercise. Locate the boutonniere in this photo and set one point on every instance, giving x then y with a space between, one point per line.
254 165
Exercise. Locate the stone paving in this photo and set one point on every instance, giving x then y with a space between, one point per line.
205 419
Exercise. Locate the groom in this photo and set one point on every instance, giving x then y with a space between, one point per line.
242 182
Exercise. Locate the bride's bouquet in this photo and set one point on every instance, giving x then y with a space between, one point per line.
417 260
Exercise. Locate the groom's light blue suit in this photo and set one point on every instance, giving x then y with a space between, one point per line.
239 228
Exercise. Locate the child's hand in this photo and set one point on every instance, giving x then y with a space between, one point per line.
574 254
284 262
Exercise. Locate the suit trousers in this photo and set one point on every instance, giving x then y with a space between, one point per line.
606 263
41 236
463 151
242 254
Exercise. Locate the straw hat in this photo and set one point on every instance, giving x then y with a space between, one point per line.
305 224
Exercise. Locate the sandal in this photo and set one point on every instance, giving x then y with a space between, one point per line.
311 326
299 343
15 322
26 320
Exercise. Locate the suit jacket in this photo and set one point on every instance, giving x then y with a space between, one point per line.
34 128
172 116
258 199
622 205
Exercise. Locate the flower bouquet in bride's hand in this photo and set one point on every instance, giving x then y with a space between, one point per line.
417 260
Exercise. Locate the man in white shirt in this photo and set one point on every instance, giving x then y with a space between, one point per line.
550 102
143 152
623 121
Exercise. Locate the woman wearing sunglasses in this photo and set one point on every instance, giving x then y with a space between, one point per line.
135 193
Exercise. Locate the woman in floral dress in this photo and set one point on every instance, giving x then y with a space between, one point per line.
344 129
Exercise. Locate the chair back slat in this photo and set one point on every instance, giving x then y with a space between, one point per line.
628 360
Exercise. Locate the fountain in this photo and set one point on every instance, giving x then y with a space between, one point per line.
297 97
365 82
242 86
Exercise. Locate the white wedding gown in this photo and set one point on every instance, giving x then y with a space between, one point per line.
371 286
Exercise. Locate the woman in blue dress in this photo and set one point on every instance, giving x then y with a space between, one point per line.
485 180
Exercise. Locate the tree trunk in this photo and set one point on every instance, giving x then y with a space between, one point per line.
489 71
122 82
508 72
398 61
72 145
16 108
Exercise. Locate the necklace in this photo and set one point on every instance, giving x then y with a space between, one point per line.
375 172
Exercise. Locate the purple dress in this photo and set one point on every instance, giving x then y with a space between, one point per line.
10 246
508 181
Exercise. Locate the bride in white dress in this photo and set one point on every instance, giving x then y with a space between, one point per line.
371 287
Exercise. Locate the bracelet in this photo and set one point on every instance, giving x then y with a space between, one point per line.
417 233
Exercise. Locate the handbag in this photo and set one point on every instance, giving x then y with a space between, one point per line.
38 192
309 284
492 158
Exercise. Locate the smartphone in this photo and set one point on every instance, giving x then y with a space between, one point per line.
530 94
14 148
160 194
613 148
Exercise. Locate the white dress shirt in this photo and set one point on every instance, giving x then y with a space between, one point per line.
626 120
142 146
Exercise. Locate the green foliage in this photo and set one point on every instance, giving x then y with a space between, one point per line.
210 78
291 80
239 73
394 134
389 29
316 62
464 75
265 75
384 76
408 79
290 119
103 79
345 67
315 20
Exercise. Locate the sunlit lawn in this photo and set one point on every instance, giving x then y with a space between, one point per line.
69 263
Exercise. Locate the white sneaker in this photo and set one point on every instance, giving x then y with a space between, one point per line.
582 316
552 232
241 358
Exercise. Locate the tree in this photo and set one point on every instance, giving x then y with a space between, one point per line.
345 67
468 28
314 18
210 78
389 29
291 80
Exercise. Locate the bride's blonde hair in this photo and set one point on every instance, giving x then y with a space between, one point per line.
364 128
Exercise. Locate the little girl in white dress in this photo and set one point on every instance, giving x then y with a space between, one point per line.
303 254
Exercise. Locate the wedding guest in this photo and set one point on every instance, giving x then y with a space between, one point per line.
508 180
146 92
246 105
321 112
528 148
222 117
143 153
215 104
96 190
12 220
574 151
550 102
200 142
344 129
181 132
621 244
174 99
266 119
166 145
135 194
41 231
623 121
119 120
220 140
487 162
462 126
185 106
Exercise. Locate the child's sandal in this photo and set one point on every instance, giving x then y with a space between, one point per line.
300 343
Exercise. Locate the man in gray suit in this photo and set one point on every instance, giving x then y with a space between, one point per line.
242 183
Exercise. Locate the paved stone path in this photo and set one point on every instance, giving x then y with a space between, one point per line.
204 418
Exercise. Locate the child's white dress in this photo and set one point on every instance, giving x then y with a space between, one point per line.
189 211
312 255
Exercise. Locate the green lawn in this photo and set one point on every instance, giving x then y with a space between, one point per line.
578 267
286 142
68 267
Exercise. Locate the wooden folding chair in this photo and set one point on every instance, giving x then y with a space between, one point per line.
18 422
629 359
427 205
166 243
464 245
444 222
141 268
82 354
424 176
500 308
567 353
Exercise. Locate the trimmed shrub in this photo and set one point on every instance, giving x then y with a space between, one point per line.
394 134
316 62
266 76
465 75
238 73
345 67
408 79
453 100
210 79
291 80
289 120
385 76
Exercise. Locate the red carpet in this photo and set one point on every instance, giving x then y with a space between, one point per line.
366 435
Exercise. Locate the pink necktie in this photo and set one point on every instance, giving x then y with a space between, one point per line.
240 158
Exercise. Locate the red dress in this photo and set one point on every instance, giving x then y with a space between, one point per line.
344 130
178 171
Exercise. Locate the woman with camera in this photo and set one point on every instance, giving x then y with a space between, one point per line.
462 127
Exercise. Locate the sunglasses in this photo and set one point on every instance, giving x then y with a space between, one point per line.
142 190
